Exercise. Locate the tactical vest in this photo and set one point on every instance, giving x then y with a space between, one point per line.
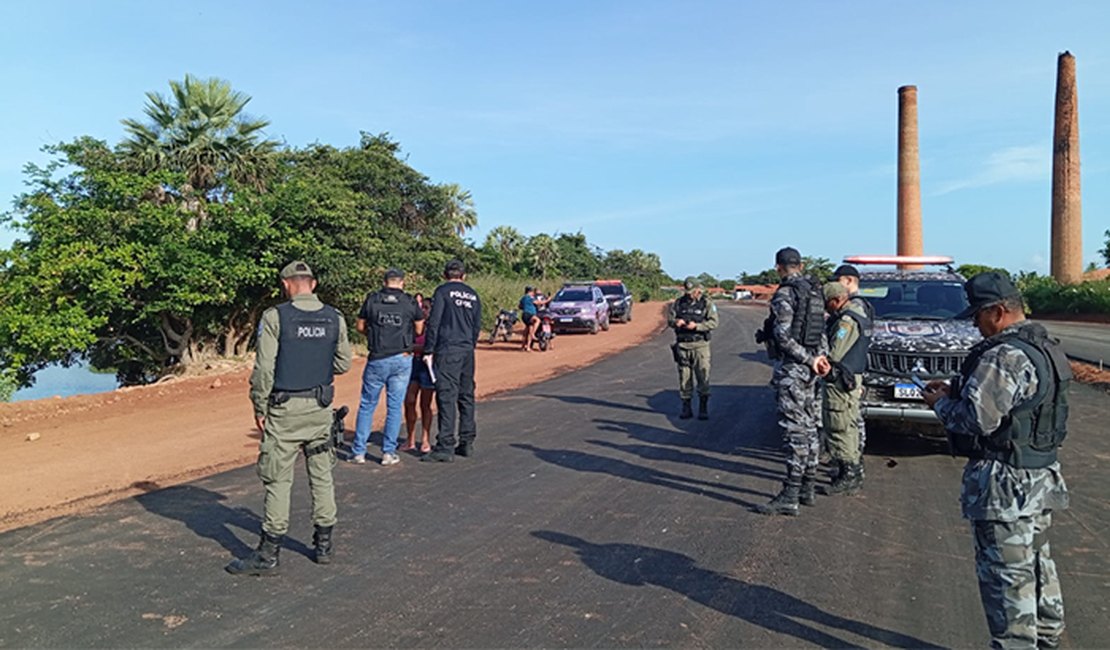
389 329
693 311
863 304
809 311
1029 435
855 361
306 348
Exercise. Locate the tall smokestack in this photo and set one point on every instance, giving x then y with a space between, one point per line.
1067 214
909 176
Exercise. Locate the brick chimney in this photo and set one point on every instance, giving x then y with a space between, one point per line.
1067 213
909 177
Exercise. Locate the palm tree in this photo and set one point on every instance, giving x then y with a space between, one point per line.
200 130
544 254
459 213
507 241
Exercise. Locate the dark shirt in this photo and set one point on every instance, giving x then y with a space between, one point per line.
456 318
389 314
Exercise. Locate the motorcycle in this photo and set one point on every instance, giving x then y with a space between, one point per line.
503 326
545 335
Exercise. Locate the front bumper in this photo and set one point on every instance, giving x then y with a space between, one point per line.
560 323
898 413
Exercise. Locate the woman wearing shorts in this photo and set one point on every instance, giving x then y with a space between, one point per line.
422 390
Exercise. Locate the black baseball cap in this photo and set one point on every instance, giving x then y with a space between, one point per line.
845 271
455 266
394 274
988 288
788 256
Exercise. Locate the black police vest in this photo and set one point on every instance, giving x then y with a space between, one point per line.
306 348
1030 434
693 311
809 311
867 309
855 361
389 328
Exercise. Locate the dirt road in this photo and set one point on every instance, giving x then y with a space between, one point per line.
92 449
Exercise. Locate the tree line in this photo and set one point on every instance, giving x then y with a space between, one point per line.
163 250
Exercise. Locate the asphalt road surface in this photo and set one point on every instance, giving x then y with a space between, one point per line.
591 516
1088 342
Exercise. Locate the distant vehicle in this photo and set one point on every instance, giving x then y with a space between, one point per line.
915 333
620 299
578 307
742 294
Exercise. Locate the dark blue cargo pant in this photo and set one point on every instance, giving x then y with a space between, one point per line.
454 370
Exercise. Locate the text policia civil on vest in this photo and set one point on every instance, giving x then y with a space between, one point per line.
692 311
306 349
1030 434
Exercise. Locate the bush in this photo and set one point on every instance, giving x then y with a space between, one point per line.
8 385
1044 295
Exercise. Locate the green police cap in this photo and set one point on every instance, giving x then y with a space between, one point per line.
691 283
834 290
987 288
296 269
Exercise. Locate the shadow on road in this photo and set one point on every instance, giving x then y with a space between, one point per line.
652 452
779 612
203 513
580 400
757 357
584 462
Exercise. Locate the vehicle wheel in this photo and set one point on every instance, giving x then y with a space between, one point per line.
543 345
506 336
593 327
605 324
492 337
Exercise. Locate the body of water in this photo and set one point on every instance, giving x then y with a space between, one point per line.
75 380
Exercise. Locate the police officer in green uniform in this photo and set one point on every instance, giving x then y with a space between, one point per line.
693 316
1007 412
849 333
302 344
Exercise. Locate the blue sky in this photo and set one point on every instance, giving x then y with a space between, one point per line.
709 132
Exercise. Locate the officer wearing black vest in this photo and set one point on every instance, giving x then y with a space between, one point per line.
693 317
848 275
302 344
1007 412
795 337
849 334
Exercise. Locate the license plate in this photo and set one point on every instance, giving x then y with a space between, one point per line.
906 391
566 320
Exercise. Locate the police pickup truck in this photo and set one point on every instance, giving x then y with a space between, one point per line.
915 333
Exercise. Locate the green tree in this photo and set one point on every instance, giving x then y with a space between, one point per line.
509 245
819 267
969 270
728 285
201 131
1106 249
458 209
707 280
543 253
769 276
577 259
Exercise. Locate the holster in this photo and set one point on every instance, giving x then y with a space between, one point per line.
324 395
675 354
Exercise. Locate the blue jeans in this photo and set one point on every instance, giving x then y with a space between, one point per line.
393 374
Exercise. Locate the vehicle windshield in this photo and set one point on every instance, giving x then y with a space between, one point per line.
574 295
914 300
611 289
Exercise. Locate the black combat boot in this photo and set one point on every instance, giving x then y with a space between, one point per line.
703 407
465 449
262 561
687 412
807 495
785 502
439 455
849 482
321 540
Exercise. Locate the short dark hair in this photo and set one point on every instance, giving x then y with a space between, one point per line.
454 270
1013 303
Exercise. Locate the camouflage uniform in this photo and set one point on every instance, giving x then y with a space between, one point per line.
799 400
842 412
1009 508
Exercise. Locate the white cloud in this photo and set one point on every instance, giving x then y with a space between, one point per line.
1009 165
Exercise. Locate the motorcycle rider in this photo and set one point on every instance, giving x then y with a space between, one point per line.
529 314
